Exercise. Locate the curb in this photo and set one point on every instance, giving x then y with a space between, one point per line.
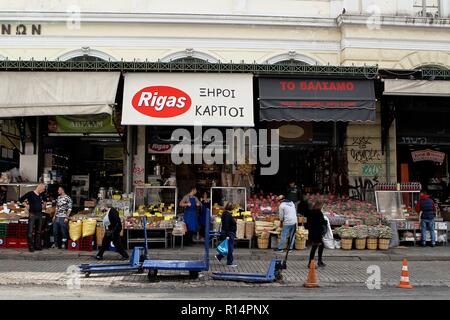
247 256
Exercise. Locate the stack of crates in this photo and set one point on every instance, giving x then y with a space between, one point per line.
83 244
3 234
87 243
16 235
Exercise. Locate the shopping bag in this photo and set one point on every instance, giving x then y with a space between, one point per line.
222 248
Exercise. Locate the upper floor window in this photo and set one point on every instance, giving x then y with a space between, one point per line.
427 8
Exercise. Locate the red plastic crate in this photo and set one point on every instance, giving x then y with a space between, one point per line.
22 243
74 245
87 243
12 243
2 242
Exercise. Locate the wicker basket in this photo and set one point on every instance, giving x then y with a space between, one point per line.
346 243
383 244
300 244
263 243
249 230
360 244
372 243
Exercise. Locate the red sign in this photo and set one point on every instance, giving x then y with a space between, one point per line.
428 155
314 85
159 148
161 101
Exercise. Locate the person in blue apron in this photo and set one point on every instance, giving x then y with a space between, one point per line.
190 203
205 210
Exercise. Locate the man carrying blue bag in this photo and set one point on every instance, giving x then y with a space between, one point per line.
227 234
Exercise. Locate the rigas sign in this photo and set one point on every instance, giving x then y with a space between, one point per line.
21 29
188 99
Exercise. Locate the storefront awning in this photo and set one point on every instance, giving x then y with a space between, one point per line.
25 94
295 99
403 87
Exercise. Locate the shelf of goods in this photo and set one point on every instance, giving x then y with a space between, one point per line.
161 216
160 223
411 231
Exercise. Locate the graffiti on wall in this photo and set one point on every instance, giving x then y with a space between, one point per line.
362 188
362 150
365 162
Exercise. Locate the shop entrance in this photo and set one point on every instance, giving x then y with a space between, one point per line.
84 164
311 155
423 139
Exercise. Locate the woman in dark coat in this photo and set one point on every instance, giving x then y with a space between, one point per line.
317 226
228 232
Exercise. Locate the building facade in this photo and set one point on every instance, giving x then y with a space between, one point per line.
393 35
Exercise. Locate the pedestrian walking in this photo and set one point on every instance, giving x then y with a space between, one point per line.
113 227
190 202
427 210
228 231
288 218
61 219
34 202
317 227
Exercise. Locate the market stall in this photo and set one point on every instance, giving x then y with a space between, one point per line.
237 196
397 202
159 205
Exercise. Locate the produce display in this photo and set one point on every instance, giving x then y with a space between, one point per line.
262 204
348 208
238 212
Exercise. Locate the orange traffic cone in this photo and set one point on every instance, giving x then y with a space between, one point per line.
311 281
404 278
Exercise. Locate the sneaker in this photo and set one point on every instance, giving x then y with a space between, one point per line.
433 245
217 258
99 257
232 265
321 264
279 251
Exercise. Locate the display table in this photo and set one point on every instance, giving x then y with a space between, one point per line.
413 226
154 235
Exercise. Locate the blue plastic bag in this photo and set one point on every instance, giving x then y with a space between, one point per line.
222 248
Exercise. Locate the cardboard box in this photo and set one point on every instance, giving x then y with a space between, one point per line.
90 203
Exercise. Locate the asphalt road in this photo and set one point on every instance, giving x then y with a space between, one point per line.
223 293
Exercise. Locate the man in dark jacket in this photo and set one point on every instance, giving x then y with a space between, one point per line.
293 193
34 200
425 206
113 226
228 232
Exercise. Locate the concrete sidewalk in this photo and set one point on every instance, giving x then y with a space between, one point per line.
441 253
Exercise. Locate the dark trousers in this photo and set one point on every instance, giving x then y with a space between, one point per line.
34 225
115 238
60 227
314 247
230 258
